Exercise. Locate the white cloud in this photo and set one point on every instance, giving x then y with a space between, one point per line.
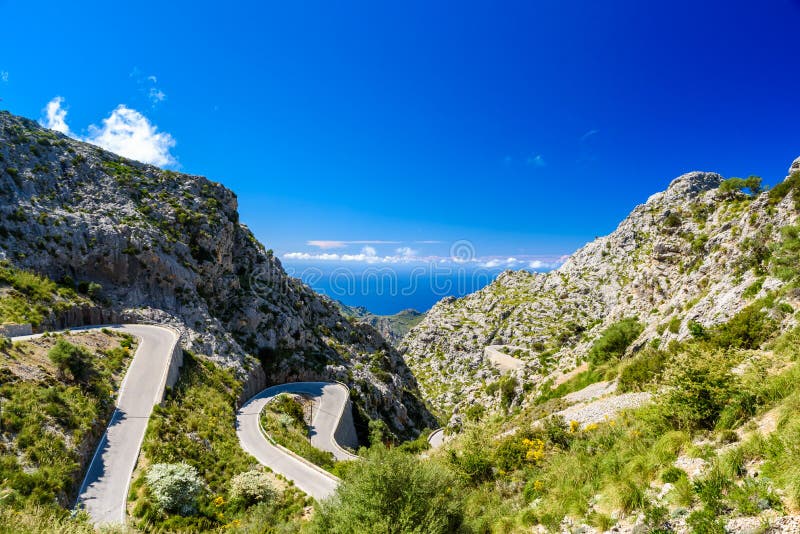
4 76
536 161
589 134
147 85
406 255
125 132
307 256
325 244
500 262
129 133
156 95
55 116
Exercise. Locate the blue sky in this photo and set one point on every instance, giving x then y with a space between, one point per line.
384 131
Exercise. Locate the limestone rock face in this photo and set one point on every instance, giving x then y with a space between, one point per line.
795 166
682 256
169 248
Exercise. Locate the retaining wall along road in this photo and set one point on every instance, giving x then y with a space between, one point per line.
13 330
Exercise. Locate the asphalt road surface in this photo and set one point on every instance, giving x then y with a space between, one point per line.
104 491
329 401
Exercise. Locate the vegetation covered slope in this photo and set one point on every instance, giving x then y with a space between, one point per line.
56 397
690 257
715 451
162 246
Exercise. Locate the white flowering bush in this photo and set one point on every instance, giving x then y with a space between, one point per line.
175 487
251 487
285 420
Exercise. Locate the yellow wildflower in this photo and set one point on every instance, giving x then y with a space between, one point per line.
219 501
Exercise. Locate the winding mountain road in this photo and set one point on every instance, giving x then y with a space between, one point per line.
330 406
104 491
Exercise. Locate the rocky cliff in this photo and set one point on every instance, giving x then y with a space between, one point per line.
169 247
696 253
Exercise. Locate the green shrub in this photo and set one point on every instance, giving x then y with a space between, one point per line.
470 461
175 488
753 289
284 421
67 356
379 432
672 220
615 340
475 412
390 491
699 387
672 474
508 390
675 325
748 329
642 369
786 253
705 522
781 190
251 487
754 496
697 330
287 404
576 383
731 186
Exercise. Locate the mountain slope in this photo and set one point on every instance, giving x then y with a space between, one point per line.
392 327
695 254
169 247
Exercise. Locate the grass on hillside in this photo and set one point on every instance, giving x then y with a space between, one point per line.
545 472
283 419
27 297
197 425
57 396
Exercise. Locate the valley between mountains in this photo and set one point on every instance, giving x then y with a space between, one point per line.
649 384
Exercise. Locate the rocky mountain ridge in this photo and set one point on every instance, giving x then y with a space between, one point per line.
167 247
693 254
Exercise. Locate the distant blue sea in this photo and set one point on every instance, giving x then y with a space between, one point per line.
386 290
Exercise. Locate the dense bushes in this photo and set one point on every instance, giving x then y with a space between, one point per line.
284 421
68 357
785 262
391 492
643 369
731 186
615 340
781 190
195 425
748 329
175 487
32 297
45 421
700 386
251 487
